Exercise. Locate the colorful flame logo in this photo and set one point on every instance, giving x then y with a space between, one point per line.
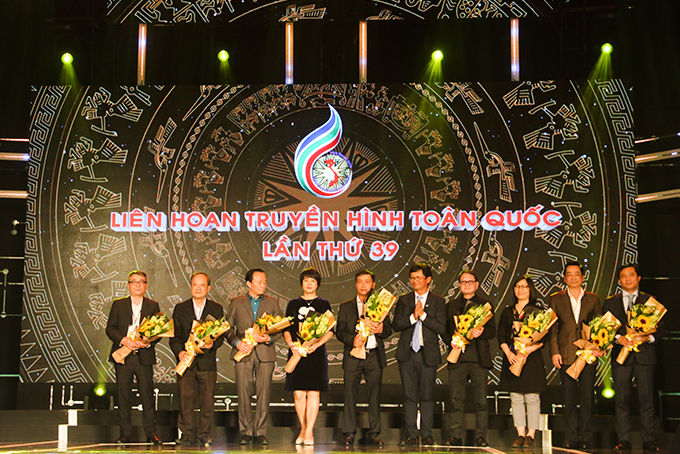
320 170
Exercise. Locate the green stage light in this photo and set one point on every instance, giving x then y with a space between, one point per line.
437 55
223 55
100 389
67 58
607 48
607 393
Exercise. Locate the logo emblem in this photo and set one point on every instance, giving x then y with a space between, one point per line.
320 170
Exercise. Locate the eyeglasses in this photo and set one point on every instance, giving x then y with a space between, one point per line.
137 282
467 282
521 287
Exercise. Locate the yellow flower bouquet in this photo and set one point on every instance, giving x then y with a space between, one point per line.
151 329
267 324
530 331
201 334
642 321
376 309
598 335
475 317
311 330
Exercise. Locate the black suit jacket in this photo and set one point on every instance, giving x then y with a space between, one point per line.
433 326
457 307
348 317
566 331
120 318
647 353
184 317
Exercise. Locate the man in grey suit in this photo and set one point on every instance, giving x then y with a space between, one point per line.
241 314
639 364
574 308
420 316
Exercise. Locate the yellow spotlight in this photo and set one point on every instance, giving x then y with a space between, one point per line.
607 48
437 55
67 58
223 55
608 393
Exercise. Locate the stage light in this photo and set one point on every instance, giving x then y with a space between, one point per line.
67 58
607 48
608 393
100 390
223 55
437 55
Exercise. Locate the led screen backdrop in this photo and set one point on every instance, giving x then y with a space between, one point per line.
505 178
225 11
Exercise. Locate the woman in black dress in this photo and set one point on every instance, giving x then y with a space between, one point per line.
310 377
524 389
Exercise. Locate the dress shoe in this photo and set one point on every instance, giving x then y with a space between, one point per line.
373 440
649 446
349 439
528 442
154 439
571 445
123 440
184 440
481 442
245 439
309 442
261 440
453 441
428 441
409 441
206 442
518 443
623 446
585 445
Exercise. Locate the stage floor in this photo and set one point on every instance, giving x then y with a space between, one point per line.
110 448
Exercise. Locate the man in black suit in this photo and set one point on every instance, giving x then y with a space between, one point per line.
202 374
574 307
125 316
370 368
638 364
473 364
420 317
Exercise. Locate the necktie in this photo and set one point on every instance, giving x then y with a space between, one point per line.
629 302
417 331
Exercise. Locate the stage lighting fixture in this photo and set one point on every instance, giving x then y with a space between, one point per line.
608 393
607 48
100 390
437 55
223 55
67 58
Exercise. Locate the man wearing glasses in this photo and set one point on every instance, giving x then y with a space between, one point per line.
473 363
125 316
420 316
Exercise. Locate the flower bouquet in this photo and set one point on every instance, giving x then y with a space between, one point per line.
201 334
267 324
151 329
642 321
377 307
530 331
598 335
311 330
475 317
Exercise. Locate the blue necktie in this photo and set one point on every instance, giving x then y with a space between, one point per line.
417 331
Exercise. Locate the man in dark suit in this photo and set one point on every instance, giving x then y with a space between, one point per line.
473 364
370 368
574 308
125 316
202 374
241 315
638 364
420 317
